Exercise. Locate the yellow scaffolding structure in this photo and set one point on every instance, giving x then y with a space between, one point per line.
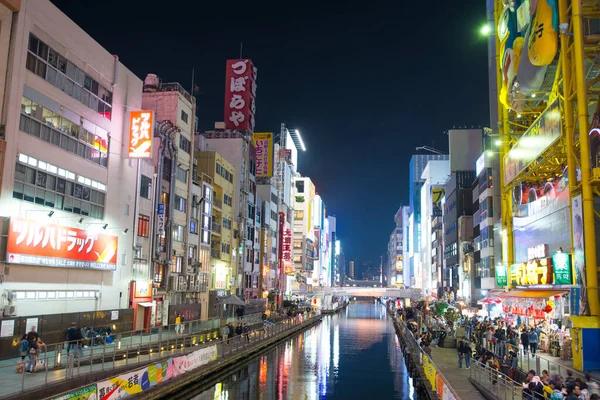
577 84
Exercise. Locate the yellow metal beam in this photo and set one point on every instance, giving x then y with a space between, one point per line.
589 226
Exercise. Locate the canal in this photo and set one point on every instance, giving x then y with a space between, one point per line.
351 355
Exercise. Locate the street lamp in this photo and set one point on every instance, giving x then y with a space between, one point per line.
485 30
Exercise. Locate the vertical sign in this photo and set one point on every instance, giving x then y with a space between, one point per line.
317 243
579 250
264 154
240 95
574 295
141 124
160 220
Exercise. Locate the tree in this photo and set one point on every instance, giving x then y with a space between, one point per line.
440 308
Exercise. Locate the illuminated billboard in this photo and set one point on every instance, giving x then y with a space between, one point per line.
141 125
34 242
240 95
263 142
541 134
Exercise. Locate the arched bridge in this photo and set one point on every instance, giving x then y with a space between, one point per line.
413 294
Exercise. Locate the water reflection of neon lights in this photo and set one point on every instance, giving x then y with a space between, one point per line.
324 356
336 349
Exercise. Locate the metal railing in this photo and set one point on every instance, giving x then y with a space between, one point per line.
526 361
216 227
497 384
417 352
174 346
215 253
59 361
217 203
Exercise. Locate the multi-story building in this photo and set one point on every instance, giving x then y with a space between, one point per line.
434 177
351 269
332 273
416 166
268 237
238 149
395 255
223 268
173 272
304 232
68 199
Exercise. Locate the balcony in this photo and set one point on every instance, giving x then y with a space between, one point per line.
216 228
215 253
218 204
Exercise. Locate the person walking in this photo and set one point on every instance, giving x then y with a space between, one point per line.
74 339
177 324
525 341
247 333
239 331
533 341
226 334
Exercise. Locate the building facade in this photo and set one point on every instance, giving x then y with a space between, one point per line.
66 102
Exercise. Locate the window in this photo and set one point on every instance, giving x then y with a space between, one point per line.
225 248
184 116
218 169
299 214
184 143
226 223
45 62
39 182
145 186
300 186
177 264
181 174
143 225
252 167
180 203
297 244
193 227
178 233
192 252
59 131
274 198
274 215
167 169
227 199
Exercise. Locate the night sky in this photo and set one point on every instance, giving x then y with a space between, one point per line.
364 82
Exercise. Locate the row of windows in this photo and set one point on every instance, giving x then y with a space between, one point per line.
224 173
52 128
55 295
45 62
451 250
49 190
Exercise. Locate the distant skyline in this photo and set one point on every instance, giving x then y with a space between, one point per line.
365 83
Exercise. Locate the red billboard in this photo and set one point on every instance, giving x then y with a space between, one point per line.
240 95
34 242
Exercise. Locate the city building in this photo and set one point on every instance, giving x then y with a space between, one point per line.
416 166
237 148
305 235
332 273
351 270
66 100
223 266
174 277
434 176
268 238
395 255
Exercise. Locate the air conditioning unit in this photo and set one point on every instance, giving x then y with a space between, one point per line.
182 283
9 311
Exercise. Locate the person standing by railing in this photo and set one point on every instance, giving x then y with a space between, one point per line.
74 339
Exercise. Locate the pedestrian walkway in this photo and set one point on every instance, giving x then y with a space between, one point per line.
447 362
124 350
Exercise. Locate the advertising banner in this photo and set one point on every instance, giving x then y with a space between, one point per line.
160 219
131 383
544 131
84 393
38 243
561 263
437 194
579 251
264 154
501 276
430 372
240 95
141 125
194 360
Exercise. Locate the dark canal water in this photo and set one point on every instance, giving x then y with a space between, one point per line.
351 355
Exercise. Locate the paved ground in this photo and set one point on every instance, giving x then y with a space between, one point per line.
447 362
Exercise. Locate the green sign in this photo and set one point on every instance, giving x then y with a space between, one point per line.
561 263
84 393
501 275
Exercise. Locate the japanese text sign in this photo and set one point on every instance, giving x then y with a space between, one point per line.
561 262
501 276
240 95
535 272
141 124
36 243
287 245
264 153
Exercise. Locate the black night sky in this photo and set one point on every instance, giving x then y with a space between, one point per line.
365 82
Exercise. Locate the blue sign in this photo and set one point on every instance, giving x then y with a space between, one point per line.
161 209
574 297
